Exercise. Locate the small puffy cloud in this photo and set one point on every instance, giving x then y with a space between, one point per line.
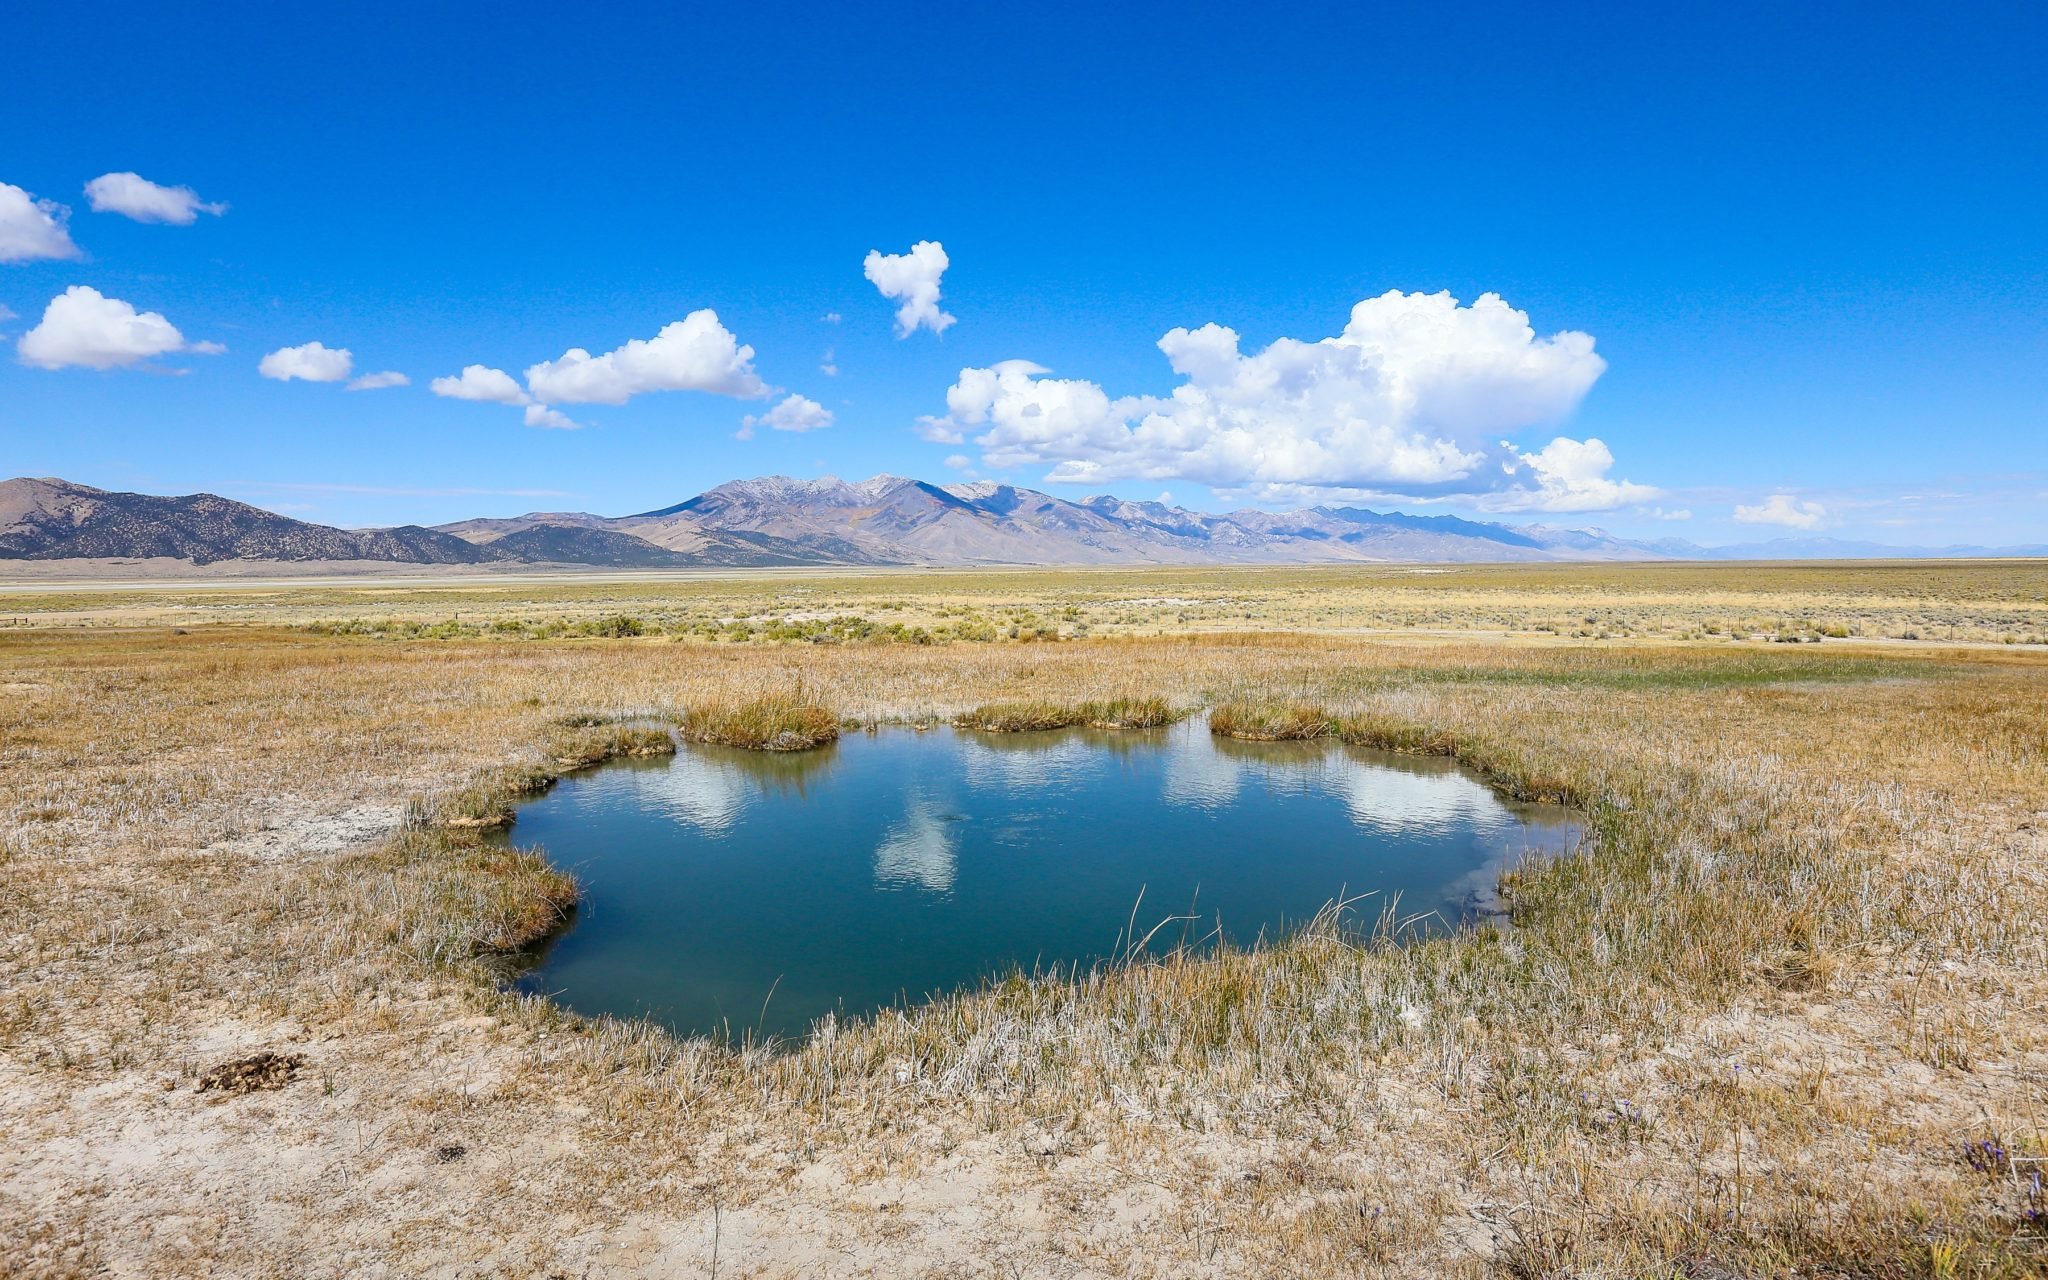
696 353
1025 417
1782 509
7 313
84 328
1408 400
134 196
797 413
539 415
308 362
378 381
481 382
32 229
1568 475
794 413
831 317
912 279
829 366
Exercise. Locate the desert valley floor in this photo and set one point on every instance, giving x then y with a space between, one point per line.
1781 1015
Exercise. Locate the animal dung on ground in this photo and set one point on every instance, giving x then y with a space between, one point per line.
264 1070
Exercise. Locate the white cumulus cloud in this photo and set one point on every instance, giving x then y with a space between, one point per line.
912 279
378 381
1408 400
308 362
480 382
539 415
32 229
82 327
696 353
793 413
1566 475
1783 509
134 196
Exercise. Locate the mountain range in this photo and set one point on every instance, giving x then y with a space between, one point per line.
777 520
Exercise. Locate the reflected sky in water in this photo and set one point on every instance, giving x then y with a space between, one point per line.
899 864
921 851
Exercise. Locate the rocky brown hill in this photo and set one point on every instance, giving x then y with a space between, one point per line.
49 519
56 520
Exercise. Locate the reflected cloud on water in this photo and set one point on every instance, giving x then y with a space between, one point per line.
1382 793
709 788
1409 797
842 880
697 791
1016 762
922 850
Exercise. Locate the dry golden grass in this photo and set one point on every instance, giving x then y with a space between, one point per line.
581 741
1042 715
779 721
1899 603
1271 720
1766 1023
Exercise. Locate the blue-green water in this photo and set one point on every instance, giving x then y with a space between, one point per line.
901 864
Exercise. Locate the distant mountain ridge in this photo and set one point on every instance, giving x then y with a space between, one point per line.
897 519
782 521
55 519
1840 549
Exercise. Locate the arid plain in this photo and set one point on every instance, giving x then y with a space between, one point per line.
1783 1015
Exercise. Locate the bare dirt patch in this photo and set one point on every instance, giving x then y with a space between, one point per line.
258 1071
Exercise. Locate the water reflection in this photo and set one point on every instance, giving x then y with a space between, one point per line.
1381 791
1014 761
1208 774
709 788
900 863
919 851
698 791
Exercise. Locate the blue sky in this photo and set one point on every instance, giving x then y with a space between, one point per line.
1807 244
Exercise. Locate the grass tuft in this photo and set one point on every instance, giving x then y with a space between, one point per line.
1287 720
487 802
576 746
793 721
1110 713
1524 773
